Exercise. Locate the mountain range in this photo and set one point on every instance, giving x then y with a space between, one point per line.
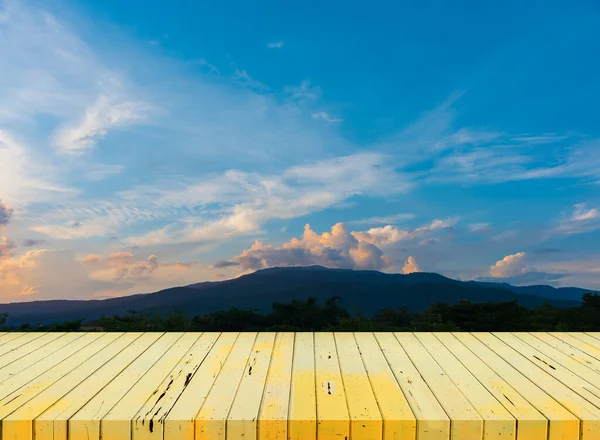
367 291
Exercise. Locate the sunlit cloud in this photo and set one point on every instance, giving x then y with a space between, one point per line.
411 266
510 265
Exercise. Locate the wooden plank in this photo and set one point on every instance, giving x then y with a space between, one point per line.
210 421
432 421
562 423
21 366
333 419
14 345
30 347
48 369
179 423
9 336
399 422
43 376
582 346
564 355
116 423
19 424
574 353
273 415
366 422
498 423
531 424
54 420
149 421
573 402
465 423
243 415
590 340
595 335
85 423
550 366
303 396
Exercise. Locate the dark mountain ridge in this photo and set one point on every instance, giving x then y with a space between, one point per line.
366 291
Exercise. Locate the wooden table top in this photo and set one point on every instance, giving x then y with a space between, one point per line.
299 386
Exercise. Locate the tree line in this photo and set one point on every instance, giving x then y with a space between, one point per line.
309 315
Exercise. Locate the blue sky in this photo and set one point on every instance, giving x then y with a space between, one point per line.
143 147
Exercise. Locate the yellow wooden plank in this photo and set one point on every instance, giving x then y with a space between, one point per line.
531 424
465 423
333 419
38 374
574 353
595 335
432 421
569 359
582 346
273 415
85 423
562 423
399 422
243 415
27 388
30 347
110 366
9 336
116 423
366 422
303 399
552 367
577 405
210 421
22 366
19 424
179 423
149 421
590 340
498 423
17 343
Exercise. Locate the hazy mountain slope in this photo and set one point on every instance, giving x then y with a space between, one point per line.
368 291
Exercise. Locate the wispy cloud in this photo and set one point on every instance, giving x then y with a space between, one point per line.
101 116
481 228
248 201
303 92
580 221
389 219
326 117
275 45
242 77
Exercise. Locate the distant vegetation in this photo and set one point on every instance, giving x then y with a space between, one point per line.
308 315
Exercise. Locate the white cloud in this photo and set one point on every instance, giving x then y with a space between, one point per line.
25 177
326 117
248 201
480 228
581 220
101 116
242 77
388 219
389 234
411 266
302 93
509 266
335 249
275 45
